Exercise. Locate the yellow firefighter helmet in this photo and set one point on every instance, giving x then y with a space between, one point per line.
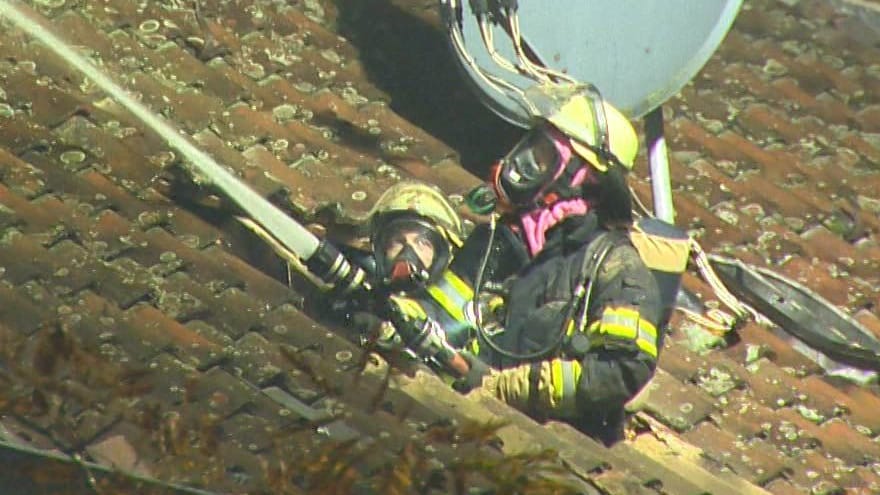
580 113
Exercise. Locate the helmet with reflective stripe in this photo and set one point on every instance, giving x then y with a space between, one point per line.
572 127
599 132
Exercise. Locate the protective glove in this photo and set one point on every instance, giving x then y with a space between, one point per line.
422 335
407 316
491 312
477 370
543 389
376 331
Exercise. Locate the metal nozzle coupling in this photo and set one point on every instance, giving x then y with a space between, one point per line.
331 266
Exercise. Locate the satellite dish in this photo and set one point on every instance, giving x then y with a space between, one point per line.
638 53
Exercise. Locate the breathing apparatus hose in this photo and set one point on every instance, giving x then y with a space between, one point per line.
582 293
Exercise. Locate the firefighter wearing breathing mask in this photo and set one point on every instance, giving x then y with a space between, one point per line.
580 330
422 278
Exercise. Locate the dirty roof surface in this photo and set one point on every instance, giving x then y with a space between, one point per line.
143 333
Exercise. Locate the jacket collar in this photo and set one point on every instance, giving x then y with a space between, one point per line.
570 235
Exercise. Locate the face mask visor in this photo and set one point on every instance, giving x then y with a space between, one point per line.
528 167
410 252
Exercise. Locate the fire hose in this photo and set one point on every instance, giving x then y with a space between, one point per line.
331 270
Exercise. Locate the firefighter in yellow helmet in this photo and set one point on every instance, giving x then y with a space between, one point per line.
413 232
419 305
422 278
581 328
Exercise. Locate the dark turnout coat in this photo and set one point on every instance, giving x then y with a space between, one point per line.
589 375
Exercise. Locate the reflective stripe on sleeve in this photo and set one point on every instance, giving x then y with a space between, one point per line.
564 376
624 323
452 294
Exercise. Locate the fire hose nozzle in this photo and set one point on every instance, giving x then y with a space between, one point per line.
430 343
328 264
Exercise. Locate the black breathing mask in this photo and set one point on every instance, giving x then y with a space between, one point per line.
406 268
397 245
535 173
528 167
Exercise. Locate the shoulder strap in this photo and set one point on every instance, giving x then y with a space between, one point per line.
594 256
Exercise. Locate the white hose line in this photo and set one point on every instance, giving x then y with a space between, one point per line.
289 233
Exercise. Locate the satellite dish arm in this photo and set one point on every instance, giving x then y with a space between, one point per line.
658 161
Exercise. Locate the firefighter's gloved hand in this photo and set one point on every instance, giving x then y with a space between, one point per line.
423 335
491 311
407 316
544 388
376 331
478 370
415 329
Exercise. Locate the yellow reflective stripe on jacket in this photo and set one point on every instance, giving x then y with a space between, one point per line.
564 377
452 294
410 308
569 328
626 324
